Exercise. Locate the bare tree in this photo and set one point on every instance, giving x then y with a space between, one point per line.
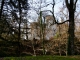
2 4
71 6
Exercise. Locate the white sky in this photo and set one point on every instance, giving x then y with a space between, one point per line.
36 4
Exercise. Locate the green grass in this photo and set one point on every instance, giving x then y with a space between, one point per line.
43 58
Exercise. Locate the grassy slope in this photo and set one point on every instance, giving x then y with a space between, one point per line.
44 58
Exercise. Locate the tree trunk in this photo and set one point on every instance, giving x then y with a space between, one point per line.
1 8
42 32
19 35
71 30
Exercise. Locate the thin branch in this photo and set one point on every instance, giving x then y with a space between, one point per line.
75 5
75 2
67 4
77 15
42 7
54 21
64 14
46 5
62 22
47 10
13 4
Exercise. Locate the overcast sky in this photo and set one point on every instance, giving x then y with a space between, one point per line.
36 5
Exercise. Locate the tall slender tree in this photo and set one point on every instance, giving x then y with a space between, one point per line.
71 6
2 4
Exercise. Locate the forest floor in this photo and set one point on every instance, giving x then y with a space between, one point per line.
42 58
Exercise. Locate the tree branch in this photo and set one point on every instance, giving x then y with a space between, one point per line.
46 5
75 5
62 22
77 15
75 2
67 4
47 10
